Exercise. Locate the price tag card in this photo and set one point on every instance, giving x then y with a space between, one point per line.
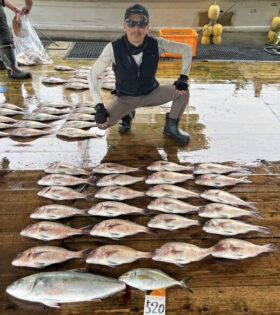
155 303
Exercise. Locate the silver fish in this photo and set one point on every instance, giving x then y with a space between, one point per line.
170 205
10 112
171 222
80 116
215 180
63 68
223 211
78 124
3 134
114 255
11 106
62 193
170 191
231 227
30 124
53 110
43 256
55 212
180 253
168 166
81 75
114 209
63 168
117 228
85 110
210 168
54 104
232 248
53 80
48 231
78 133
42 117
5 126
221 196
53 288
76 85
118 179
113 168
146 279
77 80
118 193
64 180
28 132
8 120
164 177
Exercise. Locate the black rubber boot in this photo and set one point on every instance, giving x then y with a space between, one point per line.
2 66
125 123
171 129
9 59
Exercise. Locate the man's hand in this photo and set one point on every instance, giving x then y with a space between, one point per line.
181 85
101 116
28 5
9 4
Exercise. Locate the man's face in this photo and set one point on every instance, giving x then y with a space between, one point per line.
136 28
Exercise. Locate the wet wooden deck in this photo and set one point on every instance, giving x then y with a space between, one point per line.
248 287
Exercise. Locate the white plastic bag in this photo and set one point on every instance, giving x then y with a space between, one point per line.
28 47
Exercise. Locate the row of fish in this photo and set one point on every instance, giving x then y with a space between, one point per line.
54 288
178 253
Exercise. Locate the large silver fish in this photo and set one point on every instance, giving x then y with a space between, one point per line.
76 85
78 124
30 124
232 248
5 126
170 191
231 227
164 177
53 110
43 256
65 180
208 168
8 120
171 222
63 168
78 133
180 253
113 168
170 205
85 110
214 180
168 166
42 117
116 229
223 211
63 193
28 132
11 106
55 212
146 279
63 68
118 179
10 112
80 116
114 255
47 231
54 104
53 288
221 196
114 209
118 193
53 80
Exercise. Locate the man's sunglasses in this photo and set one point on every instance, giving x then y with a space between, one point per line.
140 24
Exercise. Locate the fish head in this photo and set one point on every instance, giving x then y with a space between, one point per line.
22 287
128 277
21 259
29 230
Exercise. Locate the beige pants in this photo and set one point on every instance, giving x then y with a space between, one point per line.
122 105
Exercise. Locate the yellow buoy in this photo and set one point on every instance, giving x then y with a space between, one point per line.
272 37
205 40
217 40
213 12
207 30
217 29
275 23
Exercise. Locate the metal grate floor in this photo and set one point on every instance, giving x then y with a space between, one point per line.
92 50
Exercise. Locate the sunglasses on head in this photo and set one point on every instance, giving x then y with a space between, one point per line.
140 24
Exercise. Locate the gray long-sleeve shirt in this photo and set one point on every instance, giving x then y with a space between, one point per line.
107 59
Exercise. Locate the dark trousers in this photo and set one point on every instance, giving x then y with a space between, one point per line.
6 37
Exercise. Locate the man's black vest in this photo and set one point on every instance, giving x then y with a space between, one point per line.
130 79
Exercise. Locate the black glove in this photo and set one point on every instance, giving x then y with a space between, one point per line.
101 113
182 83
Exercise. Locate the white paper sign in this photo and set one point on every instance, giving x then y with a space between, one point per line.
154 305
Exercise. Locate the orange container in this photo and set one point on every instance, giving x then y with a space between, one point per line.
186 36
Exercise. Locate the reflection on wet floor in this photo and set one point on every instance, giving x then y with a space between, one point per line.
233 115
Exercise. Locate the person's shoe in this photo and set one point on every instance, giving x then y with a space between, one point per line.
9 60
2 66
172 130
125 123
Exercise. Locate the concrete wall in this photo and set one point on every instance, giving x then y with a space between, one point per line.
103 19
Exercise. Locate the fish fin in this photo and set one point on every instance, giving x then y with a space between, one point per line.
245 180
184 282
96 300
112 264
252 205
92 181
35 255
256 215
90 197
147 213
151 231
84 253
86 229
50 303
115 236
270 247
263 230
40 265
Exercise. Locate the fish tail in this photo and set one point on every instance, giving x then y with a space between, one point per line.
84 253
245 180
270 247
150 231
252 205
184 282
147 213
85 230
255 214
92 181
90 197
263 230
145 254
